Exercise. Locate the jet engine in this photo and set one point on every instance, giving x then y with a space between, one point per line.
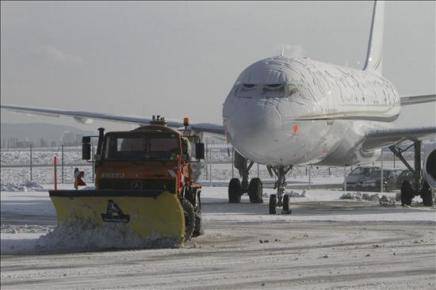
429 168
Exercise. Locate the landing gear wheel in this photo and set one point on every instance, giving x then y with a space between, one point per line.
255 190
272 204
189 213
406 193
426 195
235 191
286 209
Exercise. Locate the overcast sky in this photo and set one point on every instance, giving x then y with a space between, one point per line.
181 58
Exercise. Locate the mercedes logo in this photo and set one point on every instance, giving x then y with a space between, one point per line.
136 185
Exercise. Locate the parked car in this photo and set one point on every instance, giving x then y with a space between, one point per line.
366 178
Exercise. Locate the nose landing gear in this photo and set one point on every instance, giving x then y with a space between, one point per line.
254 188
279 199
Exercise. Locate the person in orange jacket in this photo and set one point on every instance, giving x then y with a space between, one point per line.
78 181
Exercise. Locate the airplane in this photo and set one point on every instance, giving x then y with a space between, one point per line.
287 111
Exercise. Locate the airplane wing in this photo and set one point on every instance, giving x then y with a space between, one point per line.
384 137
380 138
87 118
417 100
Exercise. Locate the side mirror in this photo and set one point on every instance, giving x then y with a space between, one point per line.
86 148
199 151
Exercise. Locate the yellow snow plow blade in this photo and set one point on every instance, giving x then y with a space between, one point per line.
148 214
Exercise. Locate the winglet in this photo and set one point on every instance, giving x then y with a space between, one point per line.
374 56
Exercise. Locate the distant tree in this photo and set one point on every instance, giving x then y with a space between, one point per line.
12 142
43 143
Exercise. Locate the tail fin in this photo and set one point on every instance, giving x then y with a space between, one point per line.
374 56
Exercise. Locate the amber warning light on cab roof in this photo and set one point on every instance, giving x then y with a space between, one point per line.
186 121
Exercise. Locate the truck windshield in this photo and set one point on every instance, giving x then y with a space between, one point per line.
141 147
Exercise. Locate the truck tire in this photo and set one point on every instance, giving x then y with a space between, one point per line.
235 191
198 229
406 193
255 190
190 194
189 213
426 195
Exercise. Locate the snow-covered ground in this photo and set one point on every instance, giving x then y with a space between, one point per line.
326 243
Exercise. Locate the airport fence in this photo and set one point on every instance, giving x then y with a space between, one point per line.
19 165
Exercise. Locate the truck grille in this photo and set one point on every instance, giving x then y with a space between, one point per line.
138 184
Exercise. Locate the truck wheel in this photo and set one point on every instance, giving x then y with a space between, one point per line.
198 229
272 204
190 194
189 213
426 195
406 193
255 190
235 191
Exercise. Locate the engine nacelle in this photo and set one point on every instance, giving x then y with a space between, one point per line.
429 168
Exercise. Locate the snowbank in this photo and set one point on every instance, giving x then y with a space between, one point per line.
86 236
360 196
26 186
80 237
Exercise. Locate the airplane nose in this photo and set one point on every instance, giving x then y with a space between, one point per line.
254 119
253 125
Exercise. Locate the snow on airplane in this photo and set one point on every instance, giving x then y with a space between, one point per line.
284 111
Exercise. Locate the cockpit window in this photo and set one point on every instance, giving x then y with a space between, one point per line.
273 87
245 90
273 90
248 86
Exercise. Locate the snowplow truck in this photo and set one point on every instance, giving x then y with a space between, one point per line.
145 182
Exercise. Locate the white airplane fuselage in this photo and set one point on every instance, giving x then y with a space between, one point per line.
288 111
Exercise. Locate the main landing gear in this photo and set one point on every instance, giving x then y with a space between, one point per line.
415 184
238 188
